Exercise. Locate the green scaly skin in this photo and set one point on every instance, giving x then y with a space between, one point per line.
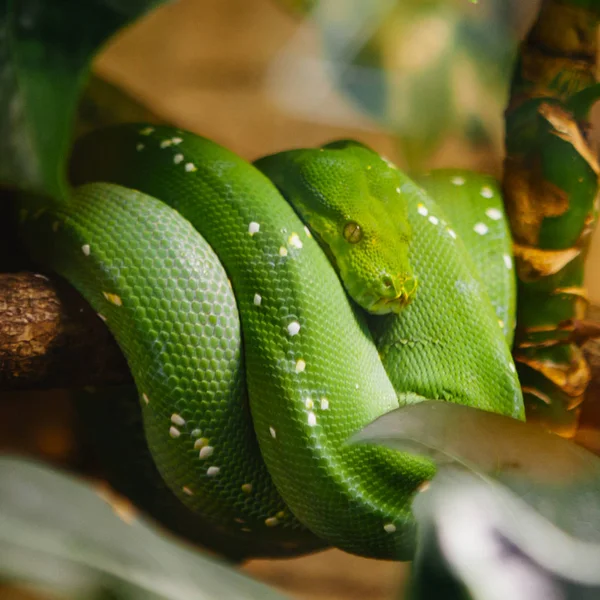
313 374
473 204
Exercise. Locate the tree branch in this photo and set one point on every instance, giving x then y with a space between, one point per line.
51 338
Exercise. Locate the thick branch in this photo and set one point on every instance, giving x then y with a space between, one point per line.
50 337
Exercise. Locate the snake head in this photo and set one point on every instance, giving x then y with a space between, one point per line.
350 198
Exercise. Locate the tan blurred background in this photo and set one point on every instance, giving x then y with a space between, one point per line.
225 69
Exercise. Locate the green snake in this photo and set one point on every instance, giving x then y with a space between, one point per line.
270 311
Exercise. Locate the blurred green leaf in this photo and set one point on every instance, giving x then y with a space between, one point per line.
554 476
514 511
479 540
60 534
45 52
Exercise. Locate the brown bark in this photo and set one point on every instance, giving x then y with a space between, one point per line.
51 338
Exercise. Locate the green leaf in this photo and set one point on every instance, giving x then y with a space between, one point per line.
61 535
554 476
45 52
479 540
513 512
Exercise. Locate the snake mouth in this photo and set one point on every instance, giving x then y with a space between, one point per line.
380 305
384 306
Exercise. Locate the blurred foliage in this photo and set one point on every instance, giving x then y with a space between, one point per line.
45 53
481 541
425 69
103 103
513 512
65 537
300 7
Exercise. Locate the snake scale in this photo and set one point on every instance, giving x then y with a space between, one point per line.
270 311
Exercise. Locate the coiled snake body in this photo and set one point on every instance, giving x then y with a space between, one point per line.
218 290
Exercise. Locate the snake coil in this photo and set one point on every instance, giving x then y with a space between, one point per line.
252 364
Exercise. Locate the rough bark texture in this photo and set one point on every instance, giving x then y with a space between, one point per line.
50 337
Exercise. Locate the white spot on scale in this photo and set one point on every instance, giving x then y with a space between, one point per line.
165 143
452 233
190 167
200 443
206 452
196 432
283 251
272 432
389 528
309 403
457 180
176 140
300 365
501 323
295 241
178 158
433 220
86 249
494 214
422 210
293 328
480 228
324 404
102 317
257 299
145 398
398 190
307 231
253 227
174 432
312 419
187 490
146 131
212 471
512 367
177 419
271 521
139 147
508 261
487 192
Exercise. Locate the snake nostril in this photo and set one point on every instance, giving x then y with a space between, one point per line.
388 283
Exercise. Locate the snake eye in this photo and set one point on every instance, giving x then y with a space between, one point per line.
352 232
